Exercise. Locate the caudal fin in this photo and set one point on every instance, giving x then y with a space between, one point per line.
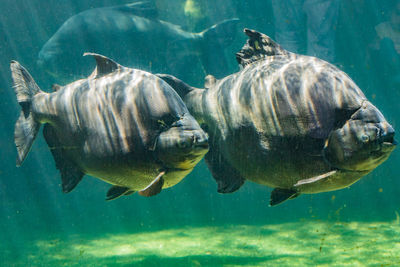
222 33
215 40
26 128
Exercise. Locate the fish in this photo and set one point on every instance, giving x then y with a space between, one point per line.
124 126
292 122
134 36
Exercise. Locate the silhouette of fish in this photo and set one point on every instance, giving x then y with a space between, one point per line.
133 35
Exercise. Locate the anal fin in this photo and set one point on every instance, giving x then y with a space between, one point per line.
279 195
71 175
227 177
117 191
154 187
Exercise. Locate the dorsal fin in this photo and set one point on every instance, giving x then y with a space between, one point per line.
144 9
209 81
179 86
104 65
257 47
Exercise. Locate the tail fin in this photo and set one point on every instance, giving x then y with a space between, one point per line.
222 33
26 128
215 40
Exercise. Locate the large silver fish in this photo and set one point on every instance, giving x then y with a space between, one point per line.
124 126
295 123
134 36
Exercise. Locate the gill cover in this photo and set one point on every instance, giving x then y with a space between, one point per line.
362 143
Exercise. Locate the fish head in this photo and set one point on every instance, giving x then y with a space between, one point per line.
181 144
47 57
49 62
364 141
62 63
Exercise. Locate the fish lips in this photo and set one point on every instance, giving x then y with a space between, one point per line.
389 146
201 144
177 144
388 143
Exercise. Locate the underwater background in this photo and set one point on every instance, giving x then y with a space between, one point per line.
191 224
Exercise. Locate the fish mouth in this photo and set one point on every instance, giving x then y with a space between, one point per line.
388 143
384 150
200 142
203 145
388 147
387 137
200 149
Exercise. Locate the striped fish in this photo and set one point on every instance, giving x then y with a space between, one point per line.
292 122
125 126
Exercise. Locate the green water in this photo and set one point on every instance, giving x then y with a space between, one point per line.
191 224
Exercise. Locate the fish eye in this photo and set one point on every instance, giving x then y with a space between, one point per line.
365 138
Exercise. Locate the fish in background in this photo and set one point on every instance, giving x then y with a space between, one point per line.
133 35
291 122
124 126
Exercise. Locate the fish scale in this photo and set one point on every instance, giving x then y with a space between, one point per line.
111 126
292 122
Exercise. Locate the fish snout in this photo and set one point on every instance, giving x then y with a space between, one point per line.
196 140
387 136
200 140
45 58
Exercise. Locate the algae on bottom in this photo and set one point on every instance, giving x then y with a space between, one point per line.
302 243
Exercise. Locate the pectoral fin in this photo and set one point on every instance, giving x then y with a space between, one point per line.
315 178
117 191
279 195
154 187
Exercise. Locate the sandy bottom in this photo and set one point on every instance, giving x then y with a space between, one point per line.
290 244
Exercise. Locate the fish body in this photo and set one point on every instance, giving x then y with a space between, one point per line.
133 35
124 126
295 123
